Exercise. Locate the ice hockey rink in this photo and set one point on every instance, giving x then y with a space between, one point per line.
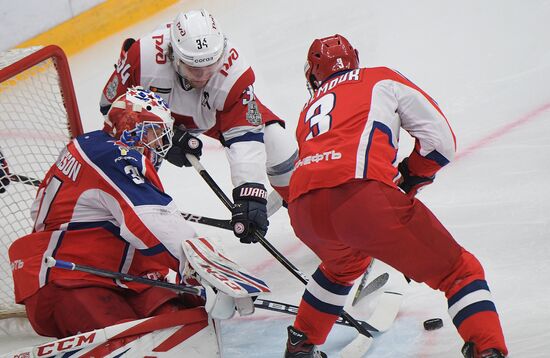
487 64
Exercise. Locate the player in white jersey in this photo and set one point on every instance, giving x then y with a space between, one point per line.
209 87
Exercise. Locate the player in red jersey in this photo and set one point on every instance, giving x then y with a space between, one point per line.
209 86
350 201
102 204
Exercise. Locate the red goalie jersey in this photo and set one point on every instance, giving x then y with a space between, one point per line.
364 109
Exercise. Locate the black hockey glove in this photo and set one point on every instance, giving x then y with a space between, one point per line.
250 212
410 184
183 143
4 173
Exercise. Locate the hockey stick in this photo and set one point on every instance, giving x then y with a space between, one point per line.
389 286
219 223
14 177
366 336
137 336
258 303
51 262
24 180
287 308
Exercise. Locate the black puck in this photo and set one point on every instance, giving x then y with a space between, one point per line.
433 324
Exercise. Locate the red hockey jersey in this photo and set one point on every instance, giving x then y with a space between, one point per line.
103 205
349 130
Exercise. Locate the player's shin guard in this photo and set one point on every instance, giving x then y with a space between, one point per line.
471 306
322 303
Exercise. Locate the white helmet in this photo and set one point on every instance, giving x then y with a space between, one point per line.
196 39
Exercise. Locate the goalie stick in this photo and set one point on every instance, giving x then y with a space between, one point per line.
165 335
51 262
204 220
259 303
358 346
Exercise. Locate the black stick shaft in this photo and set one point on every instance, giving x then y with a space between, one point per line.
51 262
262 240
24 180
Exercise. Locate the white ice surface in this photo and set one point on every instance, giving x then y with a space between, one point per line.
487 63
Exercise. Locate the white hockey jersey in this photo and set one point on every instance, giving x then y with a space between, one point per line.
226 108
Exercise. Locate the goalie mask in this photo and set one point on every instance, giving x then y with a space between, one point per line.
327 56
141 120
196 46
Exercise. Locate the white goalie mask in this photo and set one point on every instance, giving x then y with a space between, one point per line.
197 46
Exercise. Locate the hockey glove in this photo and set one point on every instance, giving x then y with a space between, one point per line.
183 143
4 173
250 211
410 184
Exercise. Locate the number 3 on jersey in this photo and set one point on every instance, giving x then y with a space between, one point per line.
318 115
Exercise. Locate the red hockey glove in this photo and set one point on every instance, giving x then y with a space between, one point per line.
4 173
183 143
250 211
410 184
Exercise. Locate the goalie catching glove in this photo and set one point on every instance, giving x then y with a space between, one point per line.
183 143
409 183
229 288
250 212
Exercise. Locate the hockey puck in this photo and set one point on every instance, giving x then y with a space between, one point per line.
433 324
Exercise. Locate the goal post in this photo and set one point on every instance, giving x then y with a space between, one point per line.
38 117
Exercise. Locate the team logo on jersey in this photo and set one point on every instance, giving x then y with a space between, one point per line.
253 115
233 56
122 147
318 157
110 93
160 56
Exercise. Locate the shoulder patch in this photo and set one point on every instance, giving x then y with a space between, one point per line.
112 88
253 115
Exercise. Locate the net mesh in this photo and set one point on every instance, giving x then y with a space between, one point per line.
33 130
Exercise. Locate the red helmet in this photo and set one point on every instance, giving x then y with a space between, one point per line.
141 120
327 56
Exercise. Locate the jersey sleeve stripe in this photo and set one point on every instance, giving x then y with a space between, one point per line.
247 137
107 225
438 158
155 250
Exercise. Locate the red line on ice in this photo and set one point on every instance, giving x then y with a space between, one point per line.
502 131
265 265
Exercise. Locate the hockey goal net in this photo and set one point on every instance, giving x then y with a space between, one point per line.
38 116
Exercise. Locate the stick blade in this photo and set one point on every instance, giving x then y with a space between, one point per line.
358 347
374 285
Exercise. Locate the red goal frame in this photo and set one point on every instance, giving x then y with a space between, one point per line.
65 81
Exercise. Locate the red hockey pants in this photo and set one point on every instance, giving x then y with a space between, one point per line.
347 224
